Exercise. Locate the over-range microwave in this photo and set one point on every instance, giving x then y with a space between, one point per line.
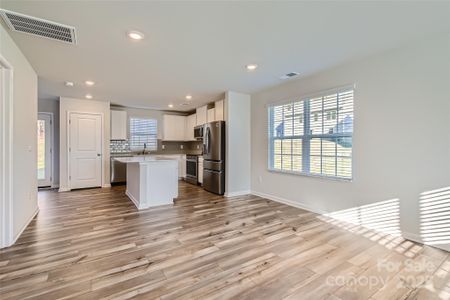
198 132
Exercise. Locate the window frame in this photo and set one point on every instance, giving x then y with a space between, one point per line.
306 117
136 148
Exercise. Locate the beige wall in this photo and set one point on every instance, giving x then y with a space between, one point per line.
67 105
237 110
24 164
401 141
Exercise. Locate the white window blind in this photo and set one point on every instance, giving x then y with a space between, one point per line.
143 131
313 136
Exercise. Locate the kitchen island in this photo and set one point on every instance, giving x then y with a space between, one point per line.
151 181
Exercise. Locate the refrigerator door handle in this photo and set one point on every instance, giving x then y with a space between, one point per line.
208 140
205 142
211 171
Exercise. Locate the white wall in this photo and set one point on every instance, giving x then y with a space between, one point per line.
237 110
401 134
52 106
88 106
24 165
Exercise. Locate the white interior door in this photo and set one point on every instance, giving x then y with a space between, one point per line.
85 150
44 142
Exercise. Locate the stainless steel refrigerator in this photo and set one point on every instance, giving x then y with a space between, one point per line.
214 157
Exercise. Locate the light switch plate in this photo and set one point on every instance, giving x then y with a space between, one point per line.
163 146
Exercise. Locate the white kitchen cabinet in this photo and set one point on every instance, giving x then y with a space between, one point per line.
181 158
200 170
182 166
211 115
118 125
174 128
202 115
218 110
191 122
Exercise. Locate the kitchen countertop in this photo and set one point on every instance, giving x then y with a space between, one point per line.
113 154
143 159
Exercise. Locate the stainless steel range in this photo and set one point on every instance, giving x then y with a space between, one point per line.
192 169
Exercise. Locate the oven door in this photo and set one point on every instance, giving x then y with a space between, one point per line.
191 171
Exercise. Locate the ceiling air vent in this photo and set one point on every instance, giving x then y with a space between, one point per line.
40 27
289 75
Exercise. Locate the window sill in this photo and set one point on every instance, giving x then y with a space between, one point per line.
310 175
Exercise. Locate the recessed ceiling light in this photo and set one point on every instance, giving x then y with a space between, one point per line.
170 105
188 97
89 82
251 67
135 35
88 96
68 83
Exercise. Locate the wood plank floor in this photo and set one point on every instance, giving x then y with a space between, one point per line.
94 244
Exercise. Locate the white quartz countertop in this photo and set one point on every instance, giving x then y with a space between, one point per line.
143 159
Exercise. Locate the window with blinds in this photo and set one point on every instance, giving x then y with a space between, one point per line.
143 131
313 136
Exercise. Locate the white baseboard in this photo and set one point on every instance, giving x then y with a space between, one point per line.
417 238
239 193
63 189
55 186
407 235
106 185
289 202
412 236
135 202
24 227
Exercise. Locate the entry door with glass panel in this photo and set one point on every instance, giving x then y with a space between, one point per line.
44 142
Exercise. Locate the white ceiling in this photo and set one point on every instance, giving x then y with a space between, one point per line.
201 48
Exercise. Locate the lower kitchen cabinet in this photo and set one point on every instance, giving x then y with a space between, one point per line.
200 170
181 162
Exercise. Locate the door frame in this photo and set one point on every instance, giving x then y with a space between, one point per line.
102 171
52 146
6 153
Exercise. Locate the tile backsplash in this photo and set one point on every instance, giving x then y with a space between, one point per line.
117 146
193 147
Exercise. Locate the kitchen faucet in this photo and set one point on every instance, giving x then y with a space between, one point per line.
145 147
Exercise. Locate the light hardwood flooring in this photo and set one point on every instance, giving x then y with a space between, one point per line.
94 244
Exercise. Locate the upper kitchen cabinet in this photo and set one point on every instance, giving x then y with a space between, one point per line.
174 128
211 115
202 115
191 122
218 111
118 125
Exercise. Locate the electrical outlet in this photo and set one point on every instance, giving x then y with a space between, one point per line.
163 146
181 146
260 179
198 146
